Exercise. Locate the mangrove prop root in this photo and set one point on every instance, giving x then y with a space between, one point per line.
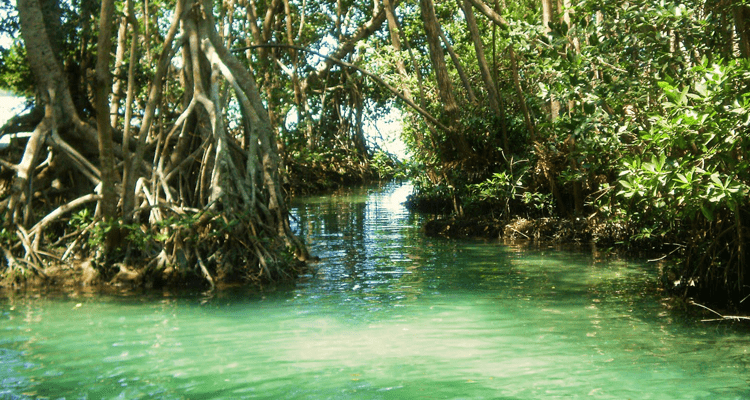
203 191
202 265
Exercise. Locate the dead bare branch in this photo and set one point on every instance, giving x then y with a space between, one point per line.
721 317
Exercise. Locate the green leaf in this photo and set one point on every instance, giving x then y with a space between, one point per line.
715 179
682 96
707 213
700 88
682 178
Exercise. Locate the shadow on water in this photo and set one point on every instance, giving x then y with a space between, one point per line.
387 314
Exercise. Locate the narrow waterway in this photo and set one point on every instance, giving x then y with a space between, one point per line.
388 314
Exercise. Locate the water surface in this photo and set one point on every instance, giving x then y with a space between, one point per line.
388 314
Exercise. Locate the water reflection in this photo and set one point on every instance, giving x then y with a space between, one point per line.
388 314
360 237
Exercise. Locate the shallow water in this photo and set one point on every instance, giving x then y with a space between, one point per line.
389 314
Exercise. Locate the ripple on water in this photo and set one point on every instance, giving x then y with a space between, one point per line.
388 313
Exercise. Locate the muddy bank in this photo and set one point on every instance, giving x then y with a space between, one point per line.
605 238
86 275
550 230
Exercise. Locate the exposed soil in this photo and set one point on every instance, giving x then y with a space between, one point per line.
84 275
550 230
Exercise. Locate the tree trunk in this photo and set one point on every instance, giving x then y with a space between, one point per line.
484 69
445 88
519 91
128 174
252 105
102 86
117 86
395 34
548 13
572 153
360 143
300 97
39 29
196 177
741 14
459 68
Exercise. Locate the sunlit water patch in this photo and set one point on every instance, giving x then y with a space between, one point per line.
387 314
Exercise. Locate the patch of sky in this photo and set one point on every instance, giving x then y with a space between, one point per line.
10 105
382 131
385 132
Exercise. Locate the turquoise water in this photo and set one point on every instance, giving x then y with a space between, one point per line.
388 314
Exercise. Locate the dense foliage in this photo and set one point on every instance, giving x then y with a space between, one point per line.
629 114
637 118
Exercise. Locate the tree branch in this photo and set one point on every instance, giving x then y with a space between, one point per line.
489 13
375 78
721 317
